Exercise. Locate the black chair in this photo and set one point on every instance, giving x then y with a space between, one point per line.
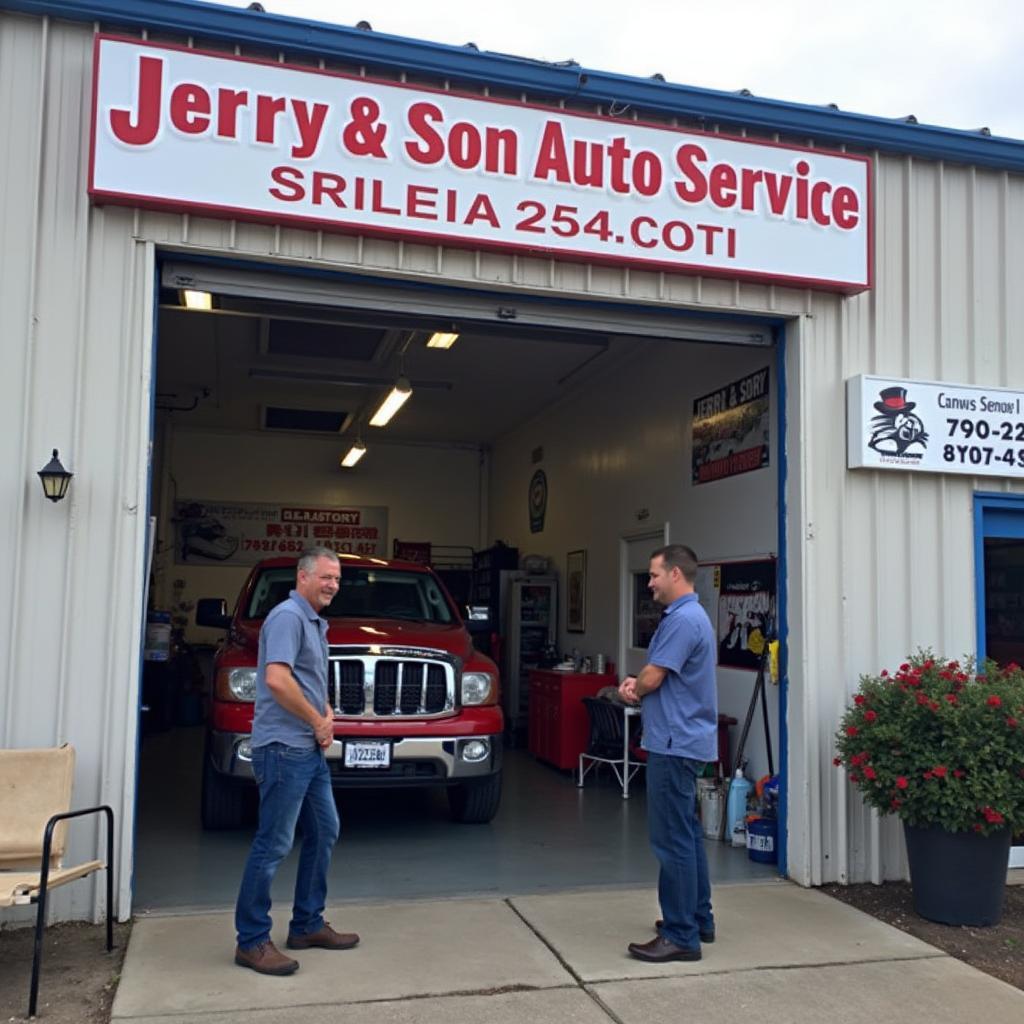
609 743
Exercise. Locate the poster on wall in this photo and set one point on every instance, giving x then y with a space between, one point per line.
739 597
731 429
245 532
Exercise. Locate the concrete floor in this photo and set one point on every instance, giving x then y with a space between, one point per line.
548 836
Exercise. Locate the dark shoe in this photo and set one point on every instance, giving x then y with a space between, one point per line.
326 938
661 951
706 938
265 958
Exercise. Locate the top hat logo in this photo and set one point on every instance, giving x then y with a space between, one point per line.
897 427
893 400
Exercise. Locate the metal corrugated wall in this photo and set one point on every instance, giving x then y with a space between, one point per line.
878 563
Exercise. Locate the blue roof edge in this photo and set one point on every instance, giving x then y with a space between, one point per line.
299 36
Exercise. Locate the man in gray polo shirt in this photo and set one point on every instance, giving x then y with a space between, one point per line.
292 726
679 712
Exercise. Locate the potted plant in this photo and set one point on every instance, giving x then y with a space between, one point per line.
942 747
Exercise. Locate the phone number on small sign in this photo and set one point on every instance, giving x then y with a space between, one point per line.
295 546
984 454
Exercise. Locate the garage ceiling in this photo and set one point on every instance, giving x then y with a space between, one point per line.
335 345
223 370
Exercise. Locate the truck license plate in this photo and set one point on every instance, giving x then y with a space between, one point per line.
367 754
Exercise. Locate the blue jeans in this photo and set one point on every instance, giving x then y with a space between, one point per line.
684 890
295 789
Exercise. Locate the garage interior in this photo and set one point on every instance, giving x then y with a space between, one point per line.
259 398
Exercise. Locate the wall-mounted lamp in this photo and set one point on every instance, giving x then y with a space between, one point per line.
355 453
396 398
55 478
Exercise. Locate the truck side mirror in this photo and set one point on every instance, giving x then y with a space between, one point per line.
213 612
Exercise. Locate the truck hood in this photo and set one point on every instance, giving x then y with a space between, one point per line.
449 637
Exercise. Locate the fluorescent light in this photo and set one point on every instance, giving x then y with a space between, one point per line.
441 340
196 300
397 397
355 453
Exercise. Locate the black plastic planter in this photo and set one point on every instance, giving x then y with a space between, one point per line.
958 877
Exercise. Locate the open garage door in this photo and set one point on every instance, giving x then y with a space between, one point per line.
258 400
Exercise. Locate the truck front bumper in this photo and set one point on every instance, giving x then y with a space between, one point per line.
419 760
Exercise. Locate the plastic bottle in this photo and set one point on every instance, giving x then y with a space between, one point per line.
736 809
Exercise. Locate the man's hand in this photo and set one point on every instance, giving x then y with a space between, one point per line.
323 730
627 690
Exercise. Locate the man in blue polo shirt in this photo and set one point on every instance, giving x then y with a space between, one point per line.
679 711
292 726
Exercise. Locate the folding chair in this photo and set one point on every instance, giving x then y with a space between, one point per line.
609 741
35 800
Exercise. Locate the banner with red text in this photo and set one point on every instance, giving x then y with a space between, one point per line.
731 429
215 134
245 532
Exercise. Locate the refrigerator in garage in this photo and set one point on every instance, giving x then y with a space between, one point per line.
531 625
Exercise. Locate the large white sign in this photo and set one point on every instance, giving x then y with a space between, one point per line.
935 427
246 532
184 130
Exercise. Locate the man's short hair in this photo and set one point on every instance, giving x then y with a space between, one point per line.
682 557
308 558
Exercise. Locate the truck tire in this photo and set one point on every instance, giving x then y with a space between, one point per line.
223 801
476 802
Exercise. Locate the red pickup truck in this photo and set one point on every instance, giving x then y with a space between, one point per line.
414 703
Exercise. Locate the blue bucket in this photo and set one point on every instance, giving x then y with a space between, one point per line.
762 835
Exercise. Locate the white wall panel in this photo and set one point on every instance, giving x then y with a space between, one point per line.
75 284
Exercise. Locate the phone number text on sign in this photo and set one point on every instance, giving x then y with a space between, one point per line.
934 427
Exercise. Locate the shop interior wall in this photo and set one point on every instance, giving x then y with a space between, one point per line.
432 493
617 455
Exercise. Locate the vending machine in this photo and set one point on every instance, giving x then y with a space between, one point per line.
531 626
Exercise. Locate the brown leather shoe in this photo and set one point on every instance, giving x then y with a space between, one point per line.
661 951
706 938
265 958
326 938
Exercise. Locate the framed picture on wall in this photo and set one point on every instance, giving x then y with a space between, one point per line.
576 592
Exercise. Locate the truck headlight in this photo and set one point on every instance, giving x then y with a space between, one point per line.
477 687
242 683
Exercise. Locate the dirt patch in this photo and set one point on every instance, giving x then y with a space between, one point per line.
78 976
998 950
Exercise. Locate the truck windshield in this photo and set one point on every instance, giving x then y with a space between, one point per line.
365 594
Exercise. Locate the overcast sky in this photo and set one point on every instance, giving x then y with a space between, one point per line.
957 64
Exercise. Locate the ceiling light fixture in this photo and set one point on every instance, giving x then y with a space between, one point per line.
396 398
192 299
354 454
440 339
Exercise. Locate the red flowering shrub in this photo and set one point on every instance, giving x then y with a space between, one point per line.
938 744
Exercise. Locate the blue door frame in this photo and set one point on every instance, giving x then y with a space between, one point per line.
995 515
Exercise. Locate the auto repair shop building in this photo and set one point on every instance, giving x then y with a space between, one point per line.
855 259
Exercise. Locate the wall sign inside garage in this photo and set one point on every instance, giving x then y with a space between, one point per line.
244 532
934 427
731 429
181 129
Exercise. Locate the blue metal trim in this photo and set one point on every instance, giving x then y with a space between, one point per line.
987 525
782 600
374 49
153 350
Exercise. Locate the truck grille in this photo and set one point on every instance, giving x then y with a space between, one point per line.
392 683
